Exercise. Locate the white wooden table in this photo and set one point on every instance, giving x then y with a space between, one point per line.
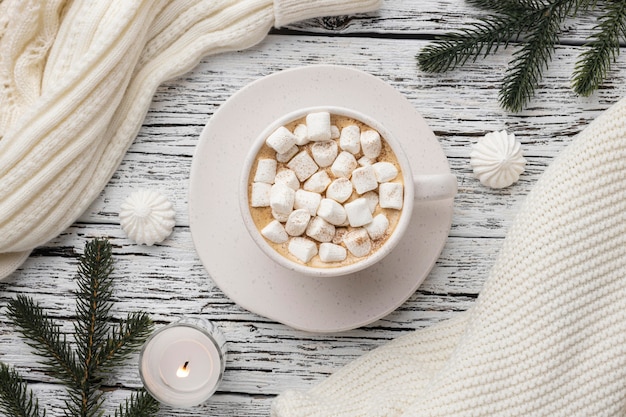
168 280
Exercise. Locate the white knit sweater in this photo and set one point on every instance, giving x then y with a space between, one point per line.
547 336
76 80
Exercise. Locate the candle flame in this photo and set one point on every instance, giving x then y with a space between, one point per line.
183 371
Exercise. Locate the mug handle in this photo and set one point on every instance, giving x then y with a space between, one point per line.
434 187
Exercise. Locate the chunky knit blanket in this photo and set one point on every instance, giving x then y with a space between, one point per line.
76 80
547 335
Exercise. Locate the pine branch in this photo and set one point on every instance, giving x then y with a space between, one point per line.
593 64
479 39
16 400
91 327
45 337
528 62
536 24
98 346
505 6
139 405
124 339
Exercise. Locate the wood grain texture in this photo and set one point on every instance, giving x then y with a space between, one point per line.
168 281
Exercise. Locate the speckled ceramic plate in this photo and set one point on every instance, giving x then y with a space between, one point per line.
237 265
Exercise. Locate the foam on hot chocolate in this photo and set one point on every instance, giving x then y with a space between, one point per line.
299 183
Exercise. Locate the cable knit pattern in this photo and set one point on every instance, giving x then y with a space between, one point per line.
76 80
547 336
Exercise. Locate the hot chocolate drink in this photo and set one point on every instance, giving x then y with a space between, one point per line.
325 190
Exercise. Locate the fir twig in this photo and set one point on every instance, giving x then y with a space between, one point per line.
124 339
138 405
45 337
536 26
528 62
16 400
594 63
505 6
480 39
99 346
91 327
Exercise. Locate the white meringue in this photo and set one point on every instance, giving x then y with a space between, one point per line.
497 159
147 217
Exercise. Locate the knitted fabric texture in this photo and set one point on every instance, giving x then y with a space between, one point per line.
547 335
76 80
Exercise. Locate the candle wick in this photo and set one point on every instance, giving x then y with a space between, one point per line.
185 365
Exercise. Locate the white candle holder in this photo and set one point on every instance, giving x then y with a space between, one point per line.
182 364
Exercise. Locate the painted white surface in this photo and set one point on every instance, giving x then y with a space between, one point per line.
168 280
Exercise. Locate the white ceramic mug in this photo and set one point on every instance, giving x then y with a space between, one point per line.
425 188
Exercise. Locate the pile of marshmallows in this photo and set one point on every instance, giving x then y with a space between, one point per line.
308 195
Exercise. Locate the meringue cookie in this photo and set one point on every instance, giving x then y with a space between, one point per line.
147 217
497 159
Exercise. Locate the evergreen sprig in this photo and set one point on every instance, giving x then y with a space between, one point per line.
534 26
138 405
15 397
594 63
98 345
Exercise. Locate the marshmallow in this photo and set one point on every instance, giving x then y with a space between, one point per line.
281 140
372 200
282 198
358 212
287 177
371 144
307 200
286 156
334 132
378 227
339 190
320 230
364 179
260 195
303 165
318 126
385 171
365 161
275 232
358 242
265 171
302 134
324 153
317 182
350 139
390 195
281 217
302 248
344 165
297 222
330 252
331 211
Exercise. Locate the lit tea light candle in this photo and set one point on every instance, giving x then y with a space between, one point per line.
183 371
182 364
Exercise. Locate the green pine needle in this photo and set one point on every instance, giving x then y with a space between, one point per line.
91 327
16 400
535 25
139 405
528 62
593 64
45 337
124 339
99 346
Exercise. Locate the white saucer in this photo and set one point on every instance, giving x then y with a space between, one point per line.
238 266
